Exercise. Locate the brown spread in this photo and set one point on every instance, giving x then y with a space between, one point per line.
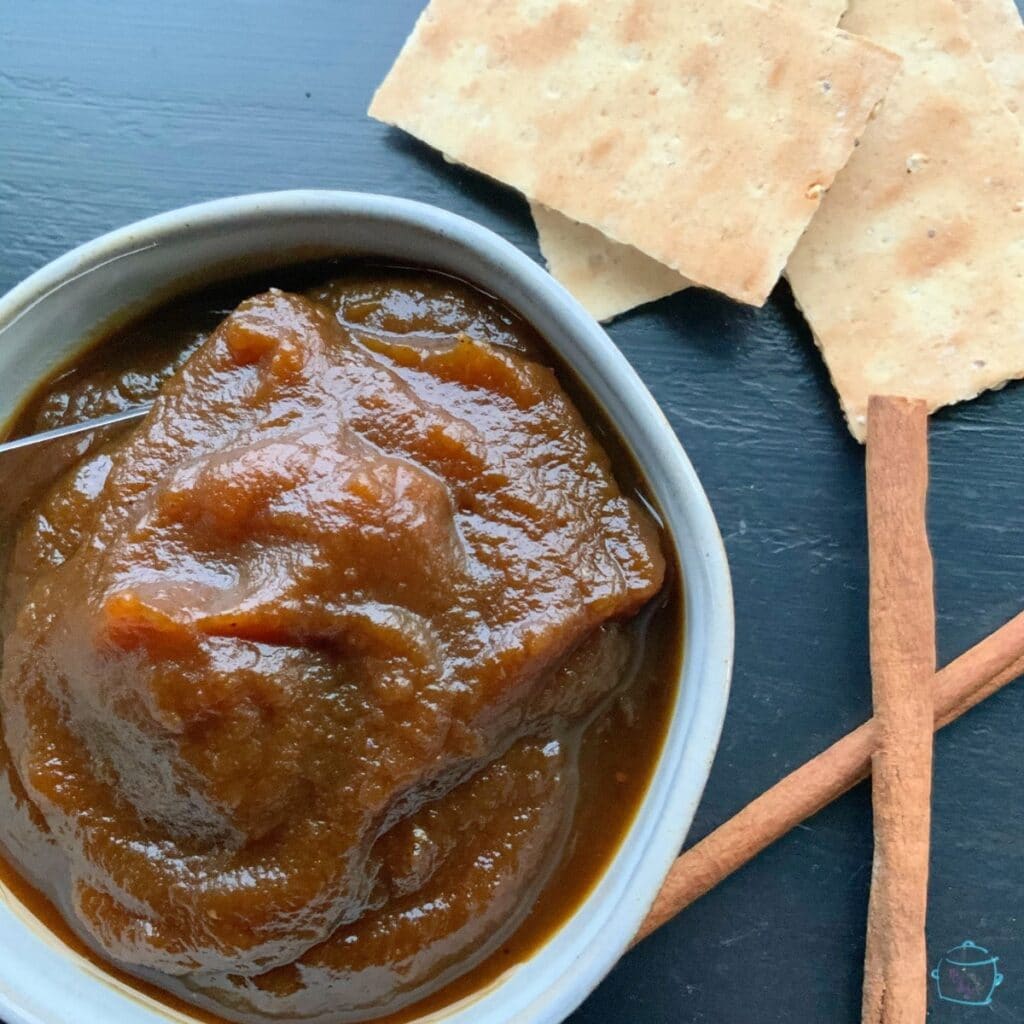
297 672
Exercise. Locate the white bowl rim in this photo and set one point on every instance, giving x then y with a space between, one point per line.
700 706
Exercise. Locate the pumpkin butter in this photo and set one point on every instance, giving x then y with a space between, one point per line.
298 674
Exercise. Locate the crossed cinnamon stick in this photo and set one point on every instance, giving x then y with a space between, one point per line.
911 700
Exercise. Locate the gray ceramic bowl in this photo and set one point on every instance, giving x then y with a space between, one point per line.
45 319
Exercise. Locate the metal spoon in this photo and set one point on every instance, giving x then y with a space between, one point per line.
30 464
59 433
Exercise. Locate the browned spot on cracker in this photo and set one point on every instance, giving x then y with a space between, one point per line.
888 195
546 40
636 25
957 45
934 247
941 115
697 65
437 36
602 148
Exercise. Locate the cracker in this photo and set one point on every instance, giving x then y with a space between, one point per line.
912 274
703 132
609 278
996 28
606 277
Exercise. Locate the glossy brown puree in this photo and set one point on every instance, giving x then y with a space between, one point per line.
306 678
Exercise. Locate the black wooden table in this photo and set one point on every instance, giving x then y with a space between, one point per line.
111 110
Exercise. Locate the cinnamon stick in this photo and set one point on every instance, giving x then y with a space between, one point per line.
953 698
902 627
974 676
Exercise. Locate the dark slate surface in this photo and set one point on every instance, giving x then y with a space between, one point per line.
112 110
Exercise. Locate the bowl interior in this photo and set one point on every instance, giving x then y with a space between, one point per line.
44 321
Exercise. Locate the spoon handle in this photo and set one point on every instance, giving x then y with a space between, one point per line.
126 415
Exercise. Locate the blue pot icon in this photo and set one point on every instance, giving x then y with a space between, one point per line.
967 975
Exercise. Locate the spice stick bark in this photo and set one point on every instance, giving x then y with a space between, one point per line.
974 676
902 622
951 701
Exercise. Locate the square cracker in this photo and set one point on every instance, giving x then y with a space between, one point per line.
702 132
912 274
609 278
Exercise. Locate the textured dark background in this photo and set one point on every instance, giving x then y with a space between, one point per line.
116 109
